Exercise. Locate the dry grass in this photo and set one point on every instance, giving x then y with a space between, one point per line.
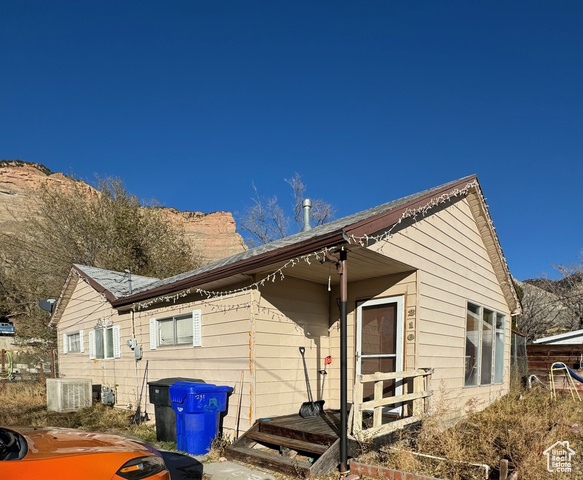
24 404
518 427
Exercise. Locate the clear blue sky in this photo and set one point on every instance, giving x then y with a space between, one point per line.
189 102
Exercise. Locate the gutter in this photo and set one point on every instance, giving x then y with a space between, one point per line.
243 266
340 236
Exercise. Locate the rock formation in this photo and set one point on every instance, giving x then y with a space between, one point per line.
214 234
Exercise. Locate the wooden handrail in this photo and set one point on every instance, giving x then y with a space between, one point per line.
419 393
379 376
392 400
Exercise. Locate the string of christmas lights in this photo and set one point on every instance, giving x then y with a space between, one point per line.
365 240
272 277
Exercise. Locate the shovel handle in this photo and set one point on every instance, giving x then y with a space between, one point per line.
302 350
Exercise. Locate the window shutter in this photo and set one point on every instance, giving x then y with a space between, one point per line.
116 342
65 343
153 333
91 344
196 328
81 344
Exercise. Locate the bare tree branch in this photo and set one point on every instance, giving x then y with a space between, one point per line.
265 221
106 228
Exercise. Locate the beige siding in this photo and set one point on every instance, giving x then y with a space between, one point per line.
258 333
405 285
85 311
224 355
290 315
454 268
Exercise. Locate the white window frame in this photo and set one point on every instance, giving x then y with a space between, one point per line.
115 329
196 316
66 342
496 375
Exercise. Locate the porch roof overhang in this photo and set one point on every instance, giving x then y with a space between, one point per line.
268 258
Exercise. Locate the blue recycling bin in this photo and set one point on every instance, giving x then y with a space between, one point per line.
198 408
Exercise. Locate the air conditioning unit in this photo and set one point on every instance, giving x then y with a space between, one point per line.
68 394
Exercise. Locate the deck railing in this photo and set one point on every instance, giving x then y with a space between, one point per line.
416 382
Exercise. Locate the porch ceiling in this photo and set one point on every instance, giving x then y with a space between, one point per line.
362 264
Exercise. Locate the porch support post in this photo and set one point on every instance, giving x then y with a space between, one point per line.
342 270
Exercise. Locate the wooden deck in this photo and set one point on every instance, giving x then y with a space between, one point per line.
291 444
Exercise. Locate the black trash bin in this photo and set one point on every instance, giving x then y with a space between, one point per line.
165 415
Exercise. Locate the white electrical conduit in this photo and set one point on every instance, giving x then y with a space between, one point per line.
480 465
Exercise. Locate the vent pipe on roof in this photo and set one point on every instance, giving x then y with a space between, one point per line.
307 206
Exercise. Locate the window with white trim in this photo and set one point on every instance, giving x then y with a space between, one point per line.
484 353
73 342
179 330
104 343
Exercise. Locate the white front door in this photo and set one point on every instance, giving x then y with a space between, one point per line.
379 344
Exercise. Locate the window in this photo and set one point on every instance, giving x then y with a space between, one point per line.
73 342
104 343
176 331
499 349
484 359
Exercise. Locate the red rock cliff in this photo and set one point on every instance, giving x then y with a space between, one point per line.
213 234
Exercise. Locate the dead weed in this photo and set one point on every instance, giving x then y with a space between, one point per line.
24 404
518 427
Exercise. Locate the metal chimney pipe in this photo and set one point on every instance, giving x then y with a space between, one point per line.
306 205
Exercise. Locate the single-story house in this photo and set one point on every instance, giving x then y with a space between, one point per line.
427 287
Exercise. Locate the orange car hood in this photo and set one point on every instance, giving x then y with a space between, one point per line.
52 441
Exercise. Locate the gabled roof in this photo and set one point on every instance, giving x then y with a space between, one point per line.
114 284
111 284
359 223
329 235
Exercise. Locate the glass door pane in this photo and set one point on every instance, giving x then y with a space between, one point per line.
379 330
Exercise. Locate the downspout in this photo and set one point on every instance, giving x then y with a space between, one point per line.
133 322
342 271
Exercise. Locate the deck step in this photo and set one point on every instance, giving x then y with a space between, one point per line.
298 445
297 433
269 461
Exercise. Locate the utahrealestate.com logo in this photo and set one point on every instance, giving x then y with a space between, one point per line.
559 457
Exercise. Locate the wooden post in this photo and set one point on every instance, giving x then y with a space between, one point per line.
42 378
378 411
418 388
53 369
356 401
3 371
503 469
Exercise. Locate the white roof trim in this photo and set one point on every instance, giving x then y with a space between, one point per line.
560 336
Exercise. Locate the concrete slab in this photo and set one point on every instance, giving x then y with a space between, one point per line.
231 471
187 467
